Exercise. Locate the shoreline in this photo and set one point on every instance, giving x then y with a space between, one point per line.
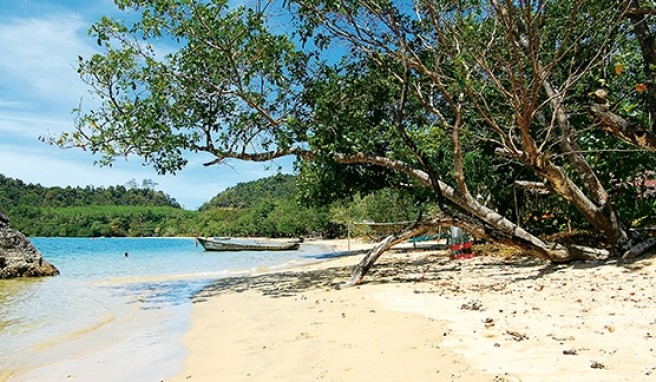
95 347
279 325
123 324
418 316
422 316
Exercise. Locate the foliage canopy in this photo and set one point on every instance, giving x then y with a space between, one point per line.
459 103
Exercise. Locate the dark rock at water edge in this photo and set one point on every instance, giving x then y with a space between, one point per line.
18 257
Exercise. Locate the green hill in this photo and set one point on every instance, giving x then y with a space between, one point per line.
264 207
134 210
14 192
248 194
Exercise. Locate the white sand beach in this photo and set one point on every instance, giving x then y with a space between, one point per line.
423 317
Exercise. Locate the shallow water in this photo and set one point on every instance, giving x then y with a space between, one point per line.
109 317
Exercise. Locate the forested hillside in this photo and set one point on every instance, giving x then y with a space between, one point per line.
244 195
265 207
131 210
14 192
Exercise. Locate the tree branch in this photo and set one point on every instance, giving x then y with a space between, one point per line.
536 187
621 128
638 11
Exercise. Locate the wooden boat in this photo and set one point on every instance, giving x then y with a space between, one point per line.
210 244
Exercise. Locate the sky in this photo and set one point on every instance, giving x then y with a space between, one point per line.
40 41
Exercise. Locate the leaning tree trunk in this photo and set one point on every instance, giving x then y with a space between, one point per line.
374 254
517 237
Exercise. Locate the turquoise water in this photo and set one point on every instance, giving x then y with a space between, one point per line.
109 317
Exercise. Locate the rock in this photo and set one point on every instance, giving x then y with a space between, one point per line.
3 218
472 305
597 365
18 257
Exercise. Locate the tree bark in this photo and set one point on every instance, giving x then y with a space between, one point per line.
526 242
538 188
621 128
368 261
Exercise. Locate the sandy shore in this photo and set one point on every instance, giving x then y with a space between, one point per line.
423 317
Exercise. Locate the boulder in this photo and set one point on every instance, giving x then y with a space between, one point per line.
18 257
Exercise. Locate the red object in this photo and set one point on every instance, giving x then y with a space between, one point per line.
462 250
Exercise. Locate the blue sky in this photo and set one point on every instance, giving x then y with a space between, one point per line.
40 41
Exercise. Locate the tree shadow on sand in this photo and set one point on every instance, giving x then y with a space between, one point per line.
432 272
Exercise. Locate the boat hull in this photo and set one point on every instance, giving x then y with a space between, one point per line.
233 245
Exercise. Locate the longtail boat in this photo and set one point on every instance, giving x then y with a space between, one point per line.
213 244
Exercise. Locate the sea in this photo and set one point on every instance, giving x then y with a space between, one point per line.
119 309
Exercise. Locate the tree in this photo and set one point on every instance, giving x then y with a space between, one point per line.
638 55
437 94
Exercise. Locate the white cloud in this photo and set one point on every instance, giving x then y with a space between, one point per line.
9 103
51 166
33 125
39 87
39 57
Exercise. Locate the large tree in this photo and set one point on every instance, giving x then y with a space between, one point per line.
435 93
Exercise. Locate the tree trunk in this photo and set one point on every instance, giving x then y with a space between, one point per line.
569 146
517 237
595 206
374 254
602 218
621 128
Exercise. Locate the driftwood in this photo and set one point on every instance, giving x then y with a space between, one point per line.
546 250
